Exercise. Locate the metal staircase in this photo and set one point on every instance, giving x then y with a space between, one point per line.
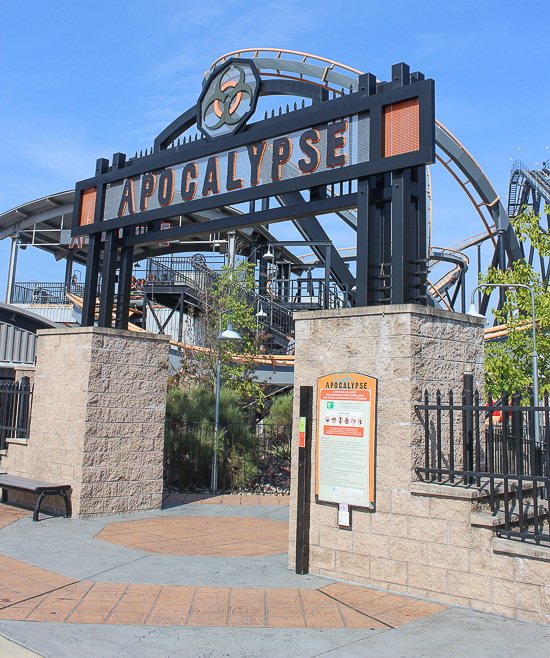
169 277
526 183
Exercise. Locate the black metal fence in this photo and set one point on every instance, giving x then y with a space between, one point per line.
15 410
249 458
501 447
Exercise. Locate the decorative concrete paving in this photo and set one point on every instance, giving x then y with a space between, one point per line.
224 537
32 594
60 567
10 514
69 547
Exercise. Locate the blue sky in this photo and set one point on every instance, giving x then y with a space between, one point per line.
83 80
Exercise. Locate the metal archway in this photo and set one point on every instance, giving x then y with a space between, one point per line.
299 70
392 254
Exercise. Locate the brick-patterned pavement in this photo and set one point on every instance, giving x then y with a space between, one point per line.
183 535
21 582
10 514
30 593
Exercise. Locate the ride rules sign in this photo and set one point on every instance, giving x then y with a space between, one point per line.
346 429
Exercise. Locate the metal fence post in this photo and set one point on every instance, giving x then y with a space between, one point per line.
468 422
23 414
224 462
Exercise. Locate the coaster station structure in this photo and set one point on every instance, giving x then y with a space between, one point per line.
223 173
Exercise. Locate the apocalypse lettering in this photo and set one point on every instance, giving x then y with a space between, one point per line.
261 162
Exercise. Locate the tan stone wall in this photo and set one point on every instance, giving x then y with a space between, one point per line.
97 419
416 544
24 371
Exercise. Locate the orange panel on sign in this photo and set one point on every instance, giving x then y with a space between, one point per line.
345 394
400 128
88 207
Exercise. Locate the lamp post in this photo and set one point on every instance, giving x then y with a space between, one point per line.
229 335
534 355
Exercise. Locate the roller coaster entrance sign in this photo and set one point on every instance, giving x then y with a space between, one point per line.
365 149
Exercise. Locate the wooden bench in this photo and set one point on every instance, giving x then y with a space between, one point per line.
43 489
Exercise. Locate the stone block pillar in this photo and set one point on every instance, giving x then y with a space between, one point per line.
430 540
408 349
97 419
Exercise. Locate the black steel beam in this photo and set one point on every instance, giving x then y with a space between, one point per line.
304 480
124 288
311 230
273 215
362 268
152 309
377 223
273 87
420 234
69 271
92 275
176 128
108 280
401 220
317 114
293 88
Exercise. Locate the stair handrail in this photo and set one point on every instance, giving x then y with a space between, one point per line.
252 298
541 186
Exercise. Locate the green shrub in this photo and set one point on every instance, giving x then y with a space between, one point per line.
198 405
281 410
190 437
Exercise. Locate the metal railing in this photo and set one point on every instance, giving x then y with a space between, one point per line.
179 271
194 273
15 410
35 292
535 177
307 294
250 458
493 447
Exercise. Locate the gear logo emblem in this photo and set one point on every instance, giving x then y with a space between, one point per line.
228 98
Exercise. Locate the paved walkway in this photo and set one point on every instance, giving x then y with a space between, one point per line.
223 537
32 593
187 567
29 593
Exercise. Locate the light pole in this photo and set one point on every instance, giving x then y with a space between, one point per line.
534 355
226 336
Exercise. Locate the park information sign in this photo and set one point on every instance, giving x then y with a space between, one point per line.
346 430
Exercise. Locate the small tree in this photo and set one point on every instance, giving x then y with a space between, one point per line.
508 364
279 425
190 439
232 290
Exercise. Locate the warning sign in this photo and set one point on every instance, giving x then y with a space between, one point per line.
345 439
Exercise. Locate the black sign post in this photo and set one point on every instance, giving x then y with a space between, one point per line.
304 479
